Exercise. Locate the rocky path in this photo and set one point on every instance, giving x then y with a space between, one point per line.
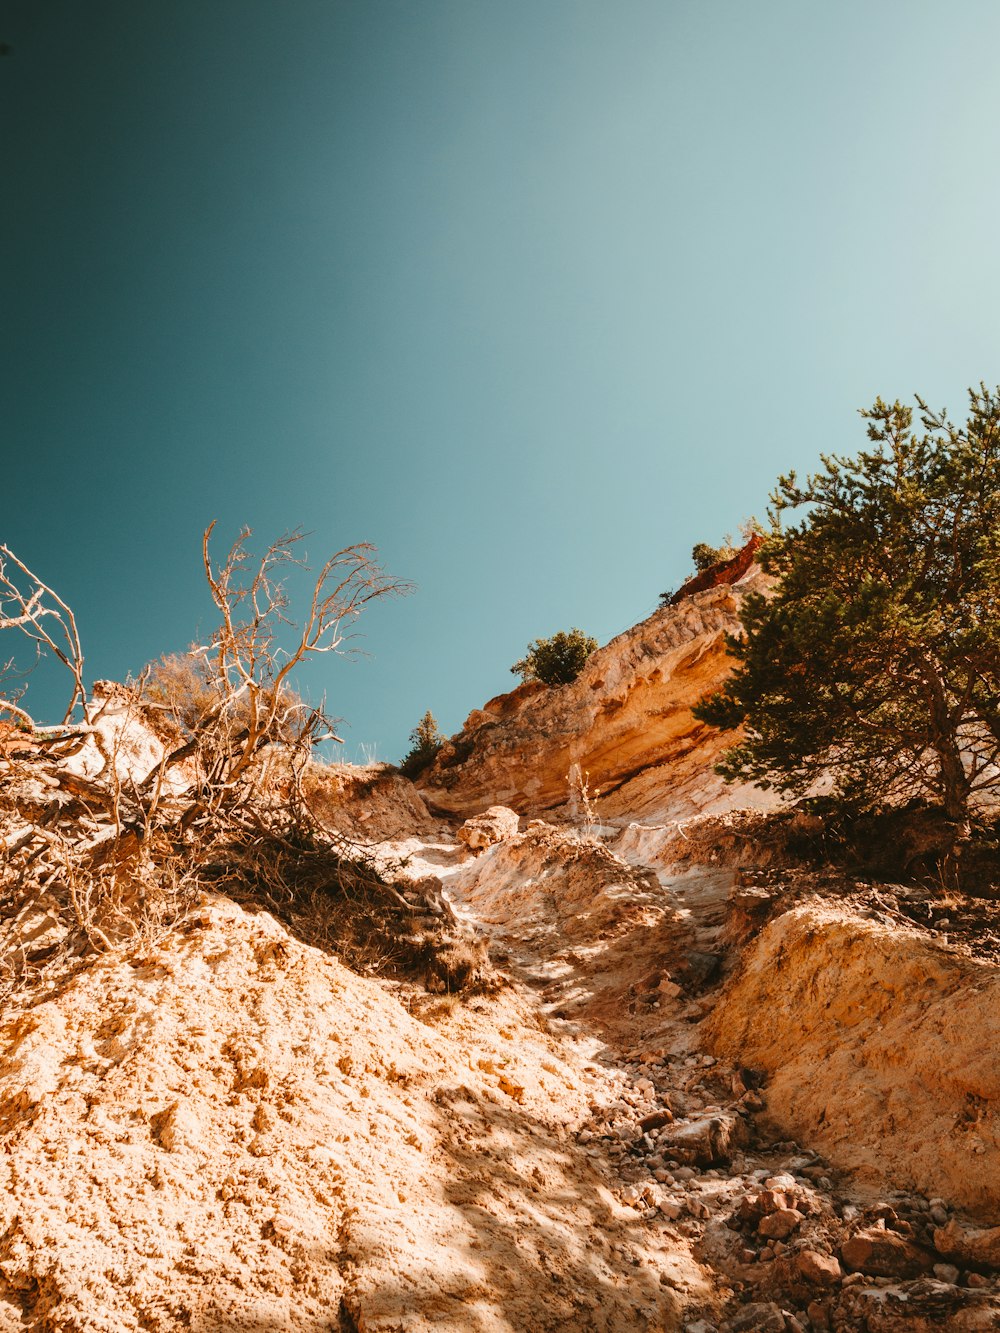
749 1232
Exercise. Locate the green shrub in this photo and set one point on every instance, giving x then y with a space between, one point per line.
425 741
705 556
557 660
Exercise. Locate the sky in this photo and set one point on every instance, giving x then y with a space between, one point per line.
533 295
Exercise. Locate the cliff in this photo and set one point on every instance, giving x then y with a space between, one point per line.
625 722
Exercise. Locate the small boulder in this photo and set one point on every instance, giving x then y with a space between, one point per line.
968 1245
947 1273
881 1253
496 824
656 1120
758 1317
779 1225
822 1270
706 1141
770 1201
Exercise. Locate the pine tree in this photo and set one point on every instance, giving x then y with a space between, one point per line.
425 741
875 665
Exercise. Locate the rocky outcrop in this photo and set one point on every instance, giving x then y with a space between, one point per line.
880 1049
725 571
625 724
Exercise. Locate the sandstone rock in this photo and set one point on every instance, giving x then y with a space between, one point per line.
758 1317
656 1120
770 1200
496 824
782 1181
627 714
946 1273
819 1315
366 801
779 1225
822 1270
969 1246
871 1035
882 1253
707 1141
702 967
921 1306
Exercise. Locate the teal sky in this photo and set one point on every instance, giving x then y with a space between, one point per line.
533 294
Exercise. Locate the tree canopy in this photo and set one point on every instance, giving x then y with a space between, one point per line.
556 660
425 741
873 670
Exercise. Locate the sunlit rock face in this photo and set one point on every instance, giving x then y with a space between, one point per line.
624 727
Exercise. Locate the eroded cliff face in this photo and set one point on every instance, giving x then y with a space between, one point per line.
880 1047
625 723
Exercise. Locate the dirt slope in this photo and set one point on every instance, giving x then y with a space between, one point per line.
881 1046
236 1132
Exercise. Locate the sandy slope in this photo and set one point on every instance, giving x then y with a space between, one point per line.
882 1049
238 1133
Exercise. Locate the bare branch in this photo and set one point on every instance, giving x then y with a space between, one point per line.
29 605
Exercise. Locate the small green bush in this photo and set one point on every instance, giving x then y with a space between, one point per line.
705 556
558 660
425 741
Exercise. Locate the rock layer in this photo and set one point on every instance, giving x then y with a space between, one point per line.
624 725
880 1048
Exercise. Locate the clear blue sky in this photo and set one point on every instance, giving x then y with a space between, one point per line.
531 294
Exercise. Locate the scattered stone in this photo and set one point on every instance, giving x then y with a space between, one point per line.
758 1317
818 1314
822 1270
770 1201
779 1225
707 1140
882 1253
656 1120
946 1273
969 1246
780 1182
